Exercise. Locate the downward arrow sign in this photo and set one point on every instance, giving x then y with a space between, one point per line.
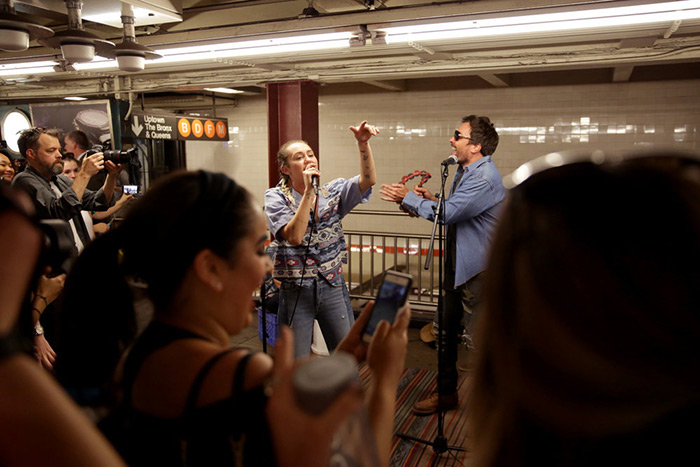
135 127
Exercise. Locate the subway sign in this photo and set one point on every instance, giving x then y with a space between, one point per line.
144 125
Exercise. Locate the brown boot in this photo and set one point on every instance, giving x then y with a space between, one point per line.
430 404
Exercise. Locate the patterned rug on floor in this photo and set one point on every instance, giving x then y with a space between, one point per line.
415 385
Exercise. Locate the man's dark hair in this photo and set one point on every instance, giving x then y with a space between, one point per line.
80 139
483 133
29 138
68 158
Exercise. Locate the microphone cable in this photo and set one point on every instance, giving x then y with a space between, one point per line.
303 267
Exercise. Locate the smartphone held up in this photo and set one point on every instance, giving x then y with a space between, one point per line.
390 299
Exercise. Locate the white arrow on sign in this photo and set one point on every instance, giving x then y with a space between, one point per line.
135 127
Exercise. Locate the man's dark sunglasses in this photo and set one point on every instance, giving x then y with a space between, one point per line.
460 135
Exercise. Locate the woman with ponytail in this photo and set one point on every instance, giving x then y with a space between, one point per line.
196 240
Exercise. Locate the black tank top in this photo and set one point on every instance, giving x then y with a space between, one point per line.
230 432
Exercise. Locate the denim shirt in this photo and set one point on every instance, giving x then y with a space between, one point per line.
327 249
473 207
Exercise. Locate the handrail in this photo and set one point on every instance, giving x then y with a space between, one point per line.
371 212
386 234
372 253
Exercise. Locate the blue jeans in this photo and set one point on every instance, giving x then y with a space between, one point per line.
327 304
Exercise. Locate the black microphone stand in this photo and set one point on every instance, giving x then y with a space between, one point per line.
439 444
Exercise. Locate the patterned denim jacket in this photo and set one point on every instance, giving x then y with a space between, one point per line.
327 250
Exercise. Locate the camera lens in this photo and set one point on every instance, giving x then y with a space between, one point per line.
119 157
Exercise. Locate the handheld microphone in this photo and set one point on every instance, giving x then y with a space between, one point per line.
452 160
314 183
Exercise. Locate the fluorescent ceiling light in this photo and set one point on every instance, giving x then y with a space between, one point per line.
10 69
544 22
97 64
224 90
26 70
295 43
249 52
217 51
37 68
75 98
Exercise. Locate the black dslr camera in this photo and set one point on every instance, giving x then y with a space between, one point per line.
57 250
118 156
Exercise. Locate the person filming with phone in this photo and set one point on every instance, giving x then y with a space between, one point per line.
305 219
470 214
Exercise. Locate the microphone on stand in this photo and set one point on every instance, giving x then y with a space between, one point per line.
314 182
452 160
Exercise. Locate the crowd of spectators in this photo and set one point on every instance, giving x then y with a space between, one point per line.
587 336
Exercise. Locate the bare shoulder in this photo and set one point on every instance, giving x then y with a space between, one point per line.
258 367
166 378
219 381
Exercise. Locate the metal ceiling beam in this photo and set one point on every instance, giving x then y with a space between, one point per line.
493 80
623 73
392 85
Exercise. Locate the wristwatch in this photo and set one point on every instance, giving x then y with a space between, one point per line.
38 330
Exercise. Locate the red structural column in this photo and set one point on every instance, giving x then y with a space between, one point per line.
292 113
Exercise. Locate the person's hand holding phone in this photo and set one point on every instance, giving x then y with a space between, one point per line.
352 343
391 297
386 355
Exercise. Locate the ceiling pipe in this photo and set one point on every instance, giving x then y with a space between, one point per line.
131 56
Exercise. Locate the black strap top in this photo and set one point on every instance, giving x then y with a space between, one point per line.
230 432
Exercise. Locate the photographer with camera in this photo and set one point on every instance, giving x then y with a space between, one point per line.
77 143
56 196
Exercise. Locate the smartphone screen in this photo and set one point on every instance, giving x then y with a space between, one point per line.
391 297
131 189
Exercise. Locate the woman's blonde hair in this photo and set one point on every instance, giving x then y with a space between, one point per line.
282 161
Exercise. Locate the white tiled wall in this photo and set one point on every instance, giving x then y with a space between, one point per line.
244 156
416 126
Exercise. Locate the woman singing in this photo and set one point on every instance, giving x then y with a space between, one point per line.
311 249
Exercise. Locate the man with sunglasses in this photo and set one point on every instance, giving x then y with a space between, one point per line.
470 214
